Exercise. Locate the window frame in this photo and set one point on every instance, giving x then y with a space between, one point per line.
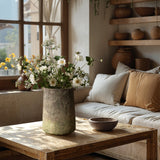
8 82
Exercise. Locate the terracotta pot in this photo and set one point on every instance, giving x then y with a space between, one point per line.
58 111
155 32
121 36
122 12
137 34
20 83
124 55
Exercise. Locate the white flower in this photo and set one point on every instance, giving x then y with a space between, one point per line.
79 57
52 82
32 79
42 68
19 66
61 62
77 82
69 74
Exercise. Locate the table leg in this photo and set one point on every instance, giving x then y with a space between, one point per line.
152 146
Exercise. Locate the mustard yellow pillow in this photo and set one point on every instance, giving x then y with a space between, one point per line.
144 91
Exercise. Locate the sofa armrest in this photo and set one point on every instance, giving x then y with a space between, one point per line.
81 93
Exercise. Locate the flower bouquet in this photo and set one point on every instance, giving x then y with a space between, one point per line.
54 71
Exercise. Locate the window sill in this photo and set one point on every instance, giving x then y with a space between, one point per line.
19 92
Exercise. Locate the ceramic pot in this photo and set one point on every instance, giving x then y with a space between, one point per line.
121 36
58 111
137 34
122 12
155 32
124 55
21 83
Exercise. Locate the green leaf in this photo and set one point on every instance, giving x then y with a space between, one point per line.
57 58
89 60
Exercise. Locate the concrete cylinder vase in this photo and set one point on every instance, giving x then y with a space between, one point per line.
58 111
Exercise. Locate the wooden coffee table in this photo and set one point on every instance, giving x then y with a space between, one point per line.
29 139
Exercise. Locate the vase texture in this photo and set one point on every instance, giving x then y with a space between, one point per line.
58 111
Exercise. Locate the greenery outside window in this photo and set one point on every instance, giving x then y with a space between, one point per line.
24 25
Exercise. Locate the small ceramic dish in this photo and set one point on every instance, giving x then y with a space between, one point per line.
103 124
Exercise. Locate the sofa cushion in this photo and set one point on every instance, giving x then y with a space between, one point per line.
144 91
123 114
151 120
108 88
124 68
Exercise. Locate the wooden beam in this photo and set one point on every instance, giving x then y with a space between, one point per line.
134 20
21 29
134 43
64 29
116 2
41 28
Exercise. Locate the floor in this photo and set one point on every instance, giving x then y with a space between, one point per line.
14 156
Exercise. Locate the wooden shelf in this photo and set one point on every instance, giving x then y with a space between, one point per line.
116 2
134 20
134 43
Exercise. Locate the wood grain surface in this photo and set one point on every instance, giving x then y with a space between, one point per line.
31 140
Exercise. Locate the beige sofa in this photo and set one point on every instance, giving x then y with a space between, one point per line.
125 114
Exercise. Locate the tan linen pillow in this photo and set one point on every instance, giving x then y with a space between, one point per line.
124 68
144 91
108 88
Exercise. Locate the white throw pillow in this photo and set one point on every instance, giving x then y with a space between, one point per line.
108 88
124 68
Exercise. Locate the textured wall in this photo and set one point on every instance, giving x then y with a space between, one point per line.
20 106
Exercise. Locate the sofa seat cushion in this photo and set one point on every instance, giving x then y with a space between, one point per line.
123 114
151 120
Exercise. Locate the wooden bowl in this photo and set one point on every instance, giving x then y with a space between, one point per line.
122 12
145 11
103 124
121 36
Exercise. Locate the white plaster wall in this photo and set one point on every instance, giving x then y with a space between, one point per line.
100 33
89 34
78 28
152 52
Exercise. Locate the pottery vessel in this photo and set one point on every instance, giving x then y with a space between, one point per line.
155 32
124 55
21 83
58 111
137 34
103 124
121 36
122 12
145 11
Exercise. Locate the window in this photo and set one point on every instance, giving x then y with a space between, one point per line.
24 25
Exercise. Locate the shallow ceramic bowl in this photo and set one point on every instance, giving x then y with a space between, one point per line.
103 124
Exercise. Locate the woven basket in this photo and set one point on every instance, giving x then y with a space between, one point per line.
124 55
143 64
